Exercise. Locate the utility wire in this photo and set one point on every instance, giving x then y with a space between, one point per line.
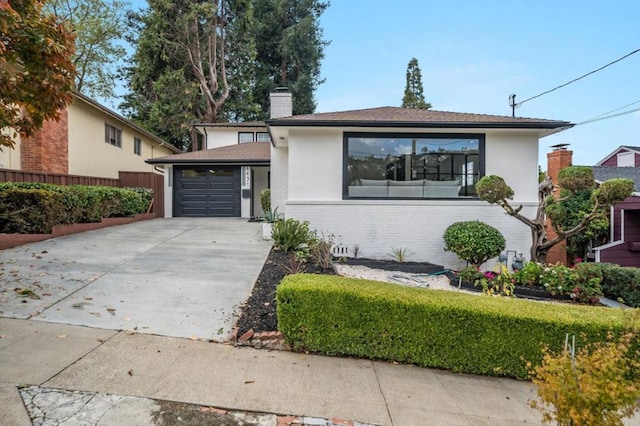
600 118
614 110
579 78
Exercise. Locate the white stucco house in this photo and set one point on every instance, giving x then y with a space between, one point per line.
378 178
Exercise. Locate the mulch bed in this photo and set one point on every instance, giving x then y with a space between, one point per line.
259 312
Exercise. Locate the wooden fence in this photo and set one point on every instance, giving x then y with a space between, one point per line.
146 180
126 179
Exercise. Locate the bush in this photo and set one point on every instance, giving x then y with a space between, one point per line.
621 283
591 385
480 335
80 204
530 274
290 234
265 200
30 211
474 241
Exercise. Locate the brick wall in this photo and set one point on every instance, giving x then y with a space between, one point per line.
556 161
47 150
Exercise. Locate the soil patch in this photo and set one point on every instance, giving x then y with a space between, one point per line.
259 312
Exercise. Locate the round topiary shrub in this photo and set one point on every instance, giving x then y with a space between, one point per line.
493 189
474 241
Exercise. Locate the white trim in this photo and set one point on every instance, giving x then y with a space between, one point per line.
621 224
605 159
612 218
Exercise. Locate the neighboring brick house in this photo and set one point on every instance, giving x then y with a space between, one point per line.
89 140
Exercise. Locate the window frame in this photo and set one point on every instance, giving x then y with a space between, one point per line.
481 137
111 130
137 146
253 137
268 139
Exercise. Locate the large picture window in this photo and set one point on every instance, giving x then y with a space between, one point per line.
412 166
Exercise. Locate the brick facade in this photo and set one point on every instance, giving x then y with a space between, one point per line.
47 150
377 227
556 161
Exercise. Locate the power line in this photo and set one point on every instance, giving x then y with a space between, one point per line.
579 78
600 118
614 110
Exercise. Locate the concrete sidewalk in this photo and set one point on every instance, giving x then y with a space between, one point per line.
55 356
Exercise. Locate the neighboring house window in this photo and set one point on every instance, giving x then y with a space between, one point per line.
262 137
626 159
112 135
412 165
244 137
137 146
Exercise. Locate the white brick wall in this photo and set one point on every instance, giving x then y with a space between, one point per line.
281 104
378 226
279 178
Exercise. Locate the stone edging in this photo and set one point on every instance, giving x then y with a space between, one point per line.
273 340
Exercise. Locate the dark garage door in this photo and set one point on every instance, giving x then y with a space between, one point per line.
206 191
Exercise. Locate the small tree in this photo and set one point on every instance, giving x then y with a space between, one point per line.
413 91
494 190
474 241
594 385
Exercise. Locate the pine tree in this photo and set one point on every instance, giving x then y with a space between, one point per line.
413 91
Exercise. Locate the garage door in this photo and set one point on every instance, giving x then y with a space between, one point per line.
206 191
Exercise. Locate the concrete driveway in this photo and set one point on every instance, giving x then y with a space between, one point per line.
173 277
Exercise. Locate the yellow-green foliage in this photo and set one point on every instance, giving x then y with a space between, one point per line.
431 328
598 386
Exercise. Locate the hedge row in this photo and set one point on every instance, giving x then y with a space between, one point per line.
36 207
464 333
621 283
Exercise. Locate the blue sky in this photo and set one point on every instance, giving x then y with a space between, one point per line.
474 54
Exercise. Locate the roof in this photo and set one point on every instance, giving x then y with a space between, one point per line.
409 117
251 153
124 121
636 149
233 124
602 173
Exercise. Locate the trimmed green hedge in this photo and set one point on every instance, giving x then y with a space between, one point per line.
30 211
79 204
430 328
621 282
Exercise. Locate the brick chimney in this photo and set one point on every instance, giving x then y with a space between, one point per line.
48 149
557 160
281 103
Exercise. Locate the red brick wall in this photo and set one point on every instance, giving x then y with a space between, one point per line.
47 150
556 161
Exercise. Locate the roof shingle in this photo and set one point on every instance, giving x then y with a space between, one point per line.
602 173
250 153
410 116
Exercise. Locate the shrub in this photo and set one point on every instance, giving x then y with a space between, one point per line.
464 333
530 274
80 204
265 200
591 386
473 241
320 251
290 234
621 283
30 211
